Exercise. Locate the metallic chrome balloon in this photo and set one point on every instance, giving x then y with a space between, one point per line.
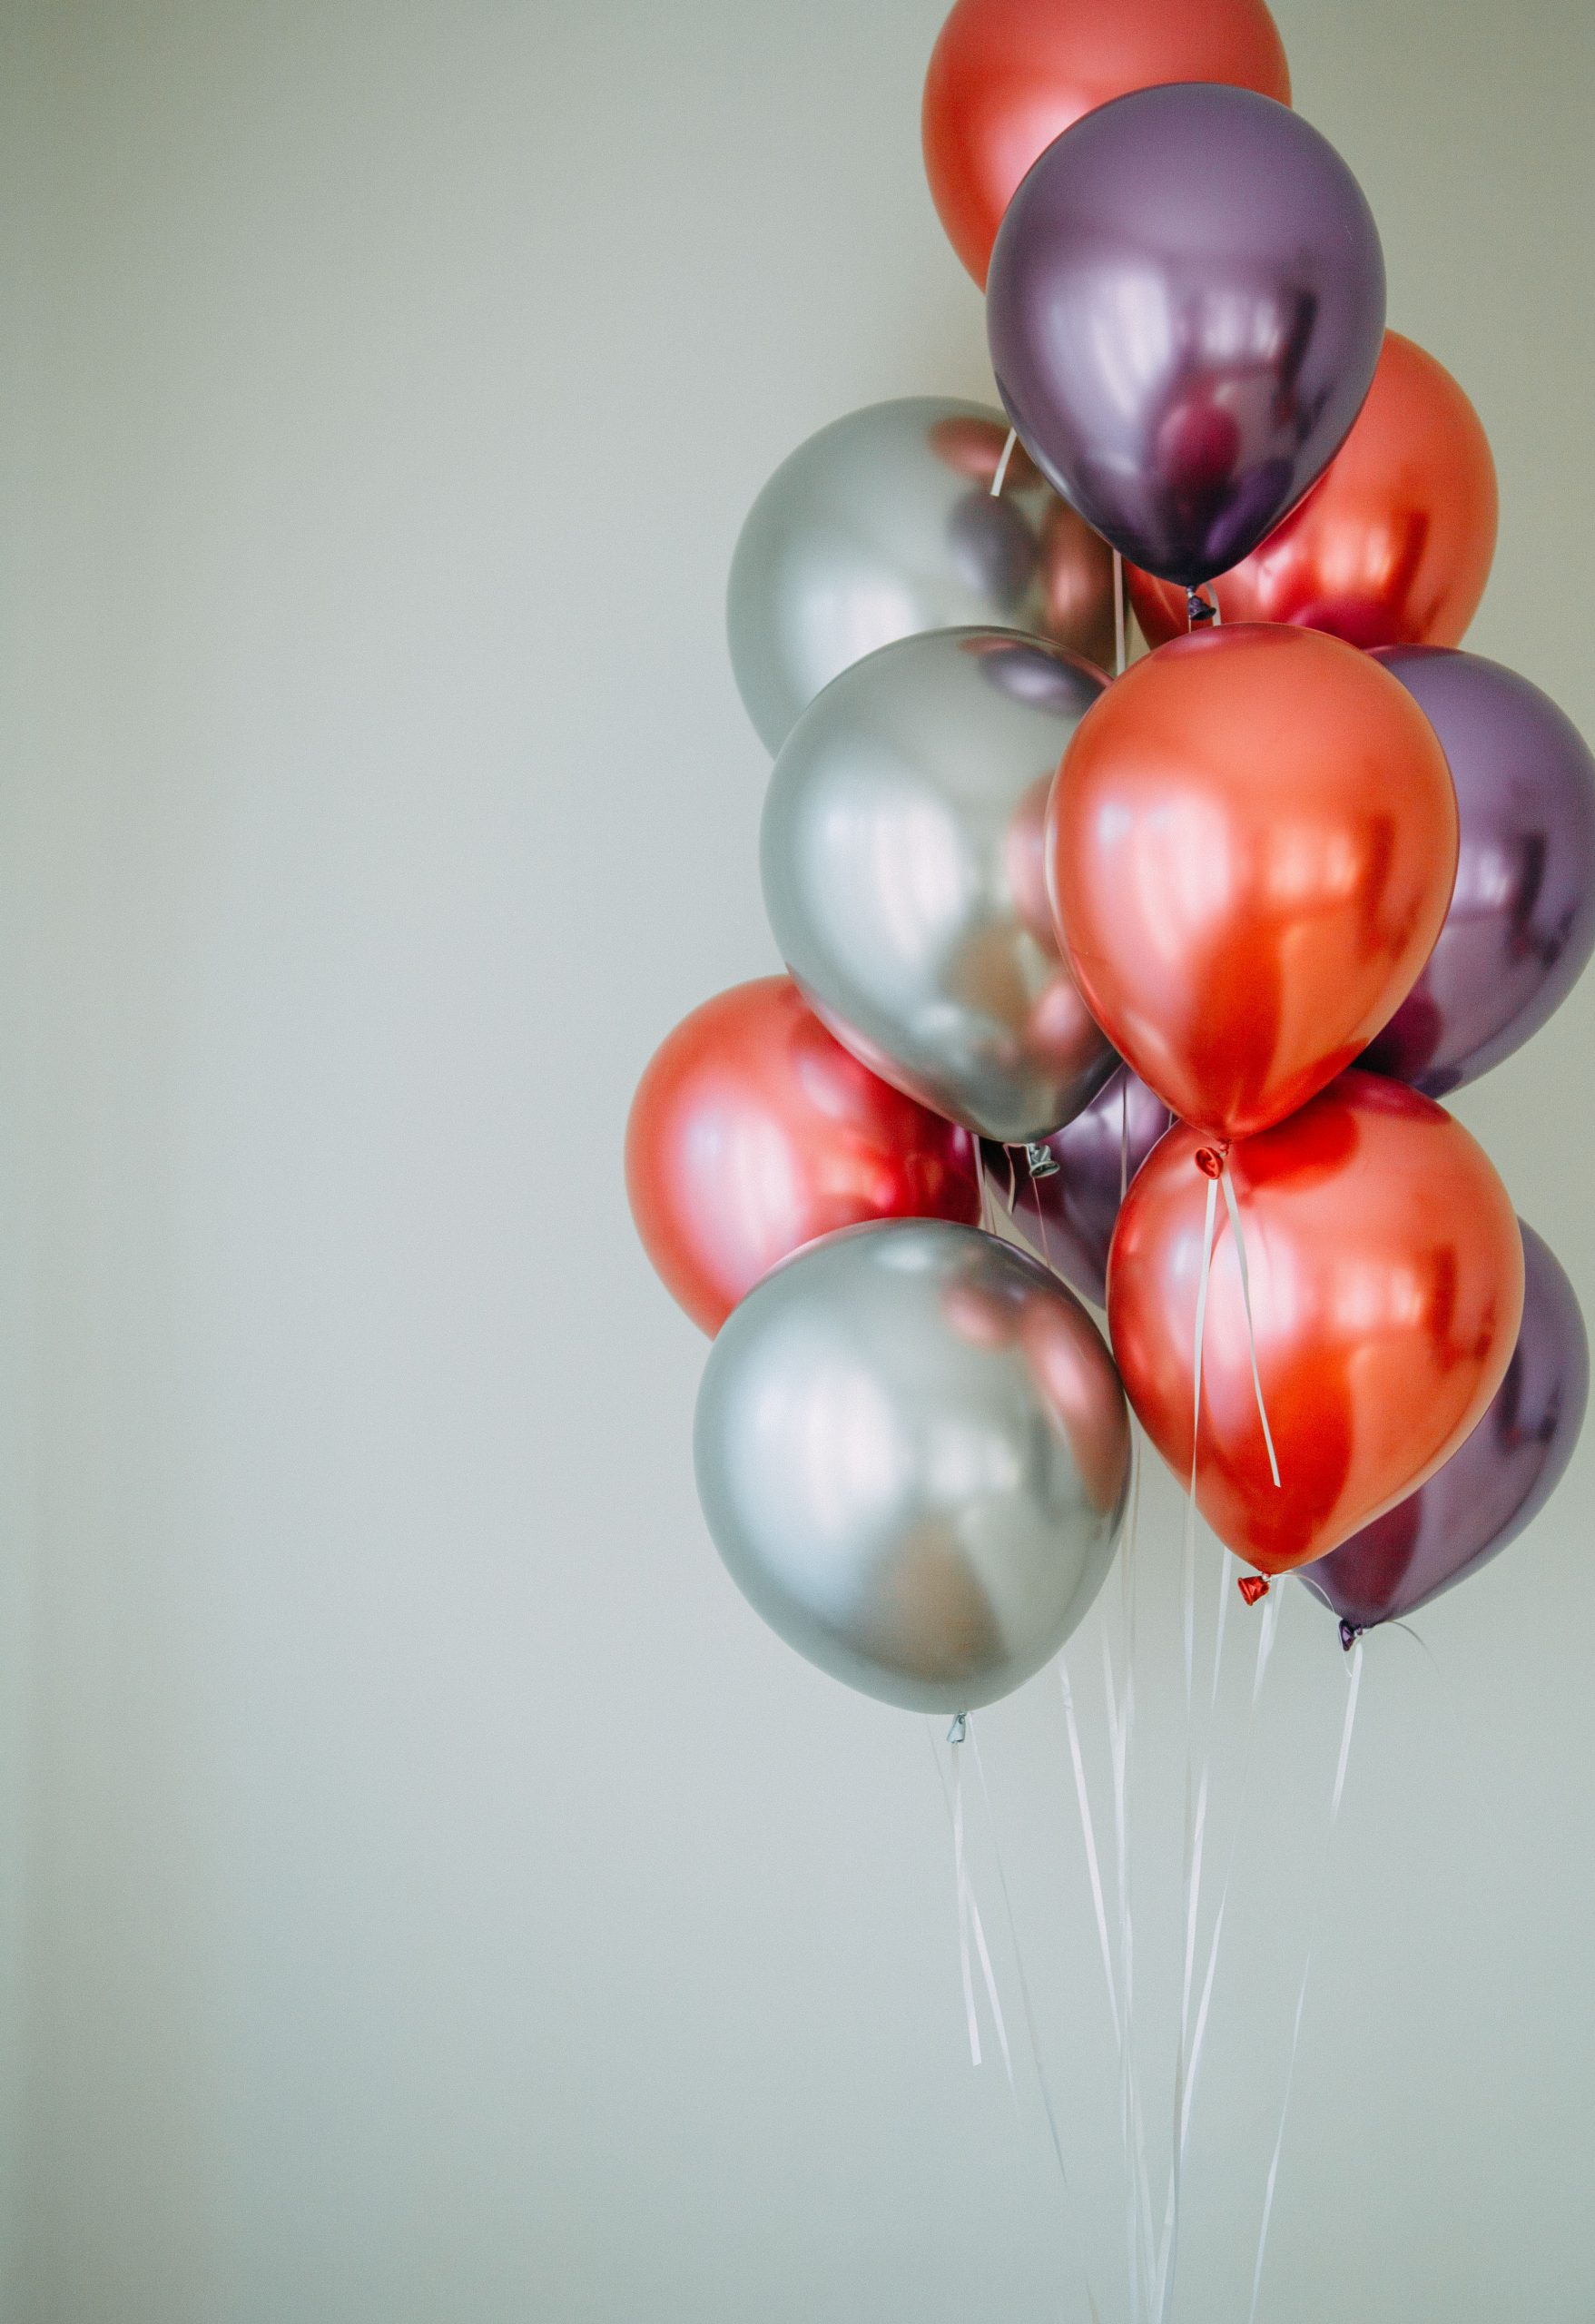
911 1450
1522 922
1067 1191
1185 310
883 525
904 864
1496 1482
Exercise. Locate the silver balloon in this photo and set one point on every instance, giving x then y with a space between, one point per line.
904 873
911 1449
883 525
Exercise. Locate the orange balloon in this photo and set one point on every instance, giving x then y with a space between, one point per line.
1008 76
754 1131
1387 1287
1250 847
1393 544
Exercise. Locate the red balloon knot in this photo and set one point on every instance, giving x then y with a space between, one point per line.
1253 1586
1210 1161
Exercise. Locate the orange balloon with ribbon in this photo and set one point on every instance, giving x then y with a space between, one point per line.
1385 1279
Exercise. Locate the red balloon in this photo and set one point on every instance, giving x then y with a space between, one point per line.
754 1131
1387 1287
1392 547
1251 843
1008 76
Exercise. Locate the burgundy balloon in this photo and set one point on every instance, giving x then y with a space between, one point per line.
1499 1478
1067 1215
1521 923
1184 308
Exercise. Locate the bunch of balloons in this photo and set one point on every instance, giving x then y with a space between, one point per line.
1163 973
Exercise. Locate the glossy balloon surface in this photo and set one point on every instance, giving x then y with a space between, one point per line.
904 874
1494 1485
1252 846
754 1131
883 526
1008 76
1393 544
911 1449
1185 310
1521 923
1387 1287
1068 1215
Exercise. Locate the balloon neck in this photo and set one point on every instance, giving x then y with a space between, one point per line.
1199 610
1210 1159
959 1729
1253 1586
1348 1637
1041 1160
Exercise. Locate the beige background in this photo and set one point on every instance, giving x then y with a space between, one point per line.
425 1890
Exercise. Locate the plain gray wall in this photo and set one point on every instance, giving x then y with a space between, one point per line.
427 1892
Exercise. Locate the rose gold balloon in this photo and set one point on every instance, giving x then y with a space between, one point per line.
1251 843
754 1131
1387 1287
1008 76
1392 547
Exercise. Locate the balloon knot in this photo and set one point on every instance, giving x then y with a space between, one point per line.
1199 610
1210 1160
1348 1636
1253 1586
1041 1160
959 1728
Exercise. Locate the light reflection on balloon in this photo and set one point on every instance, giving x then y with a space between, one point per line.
883 525
911 1450
899 860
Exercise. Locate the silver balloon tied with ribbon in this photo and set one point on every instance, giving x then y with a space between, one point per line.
903 863
885 524
912 1451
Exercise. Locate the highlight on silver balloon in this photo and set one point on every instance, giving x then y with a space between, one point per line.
911 1450
903 862
883 525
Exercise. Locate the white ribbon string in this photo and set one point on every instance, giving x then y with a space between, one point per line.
1170 2237
1295 2039
1266 1637
1118 616
1207 1269
969 1924
1001 478
1088 1834
1026 2008
1121 1728
961 1884
1240 1252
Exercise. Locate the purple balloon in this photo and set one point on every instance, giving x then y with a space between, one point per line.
1521 923
1184 308
1067 1215
1495 1482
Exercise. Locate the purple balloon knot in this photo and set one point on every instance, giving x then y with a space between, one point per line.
1348 1637
1199 609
